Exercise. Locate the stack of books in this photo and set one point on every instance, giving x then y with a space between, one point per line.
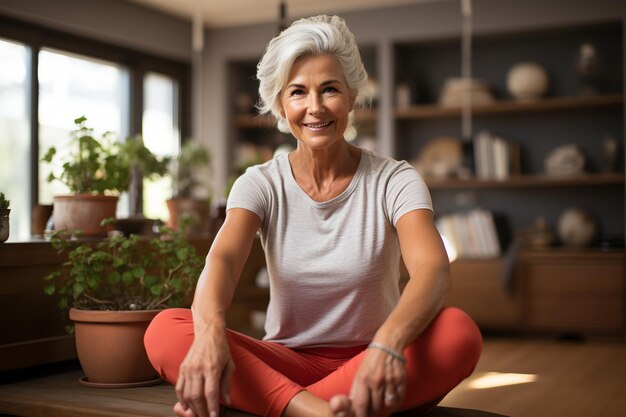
475 234
495 158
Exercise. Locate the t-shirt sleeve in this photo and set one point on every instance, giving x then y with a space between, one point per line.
248 192
406 191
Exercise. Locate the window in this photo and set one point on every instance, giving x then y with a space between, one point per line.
161 134
120 90
15 144
71 86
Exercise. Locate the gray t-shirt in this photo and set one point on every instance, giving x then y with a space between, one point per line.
333 266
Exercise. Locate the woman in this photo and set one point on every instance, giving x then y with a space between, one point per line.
334 219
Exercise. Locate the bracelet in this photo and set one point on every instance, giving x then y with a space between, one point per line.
394 354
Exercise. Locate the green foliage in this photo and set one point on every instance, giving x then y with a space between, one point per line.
134 153
192 157
125 273
4 203
102 165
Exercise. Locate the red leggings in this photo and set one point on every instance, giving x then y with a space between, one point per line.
268 375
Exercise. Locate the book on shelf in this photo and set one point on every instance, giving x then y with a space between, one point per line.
476 233
495 157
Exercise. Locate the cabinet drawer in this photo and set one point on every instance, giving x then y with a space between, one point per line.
576 313
576 278
477 289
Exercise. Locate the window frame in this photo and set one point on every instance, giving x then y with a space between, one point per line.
138 63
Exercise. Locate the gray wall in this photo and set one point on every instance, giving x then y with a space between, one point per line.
381 28
113 21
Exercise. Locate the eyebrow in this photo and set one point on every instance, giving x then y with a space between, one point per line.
325 83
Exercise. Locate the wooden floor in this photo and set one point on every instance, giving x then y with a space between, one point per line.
570 379
519 378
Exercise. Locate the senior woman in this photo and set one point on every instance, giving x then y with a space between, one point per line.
334 219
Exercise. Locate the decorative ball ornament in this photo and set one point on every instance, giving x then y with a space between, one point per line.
577 228
527 81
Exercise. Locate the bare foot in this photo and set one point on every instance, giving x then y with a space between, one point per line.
341 406
181 411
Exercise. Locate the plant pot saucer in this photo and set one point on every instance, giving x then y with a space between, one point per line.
83 380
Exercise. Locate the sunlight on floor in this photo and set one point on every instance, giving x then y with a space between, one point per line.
498 379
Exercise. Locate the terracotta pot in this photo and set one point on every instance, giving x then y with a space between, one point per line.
110 347
4 224
83 212
198 212
39 220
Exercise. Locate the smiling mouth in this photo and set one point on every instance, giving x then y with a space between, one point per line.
318 125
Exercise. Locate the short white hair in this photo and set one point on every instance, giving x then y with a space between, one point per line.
313 36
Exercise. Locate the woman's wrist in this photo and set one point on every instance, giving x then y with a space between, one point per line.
397 355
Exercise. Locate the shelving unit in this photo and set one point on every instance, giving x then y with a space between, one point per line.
556 289
529 181
561 117
435 111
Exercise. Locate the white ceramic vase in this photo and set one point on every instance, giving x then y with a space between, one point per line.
527 81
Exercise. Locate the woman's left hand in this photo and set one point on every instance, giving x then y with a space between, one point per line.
379 386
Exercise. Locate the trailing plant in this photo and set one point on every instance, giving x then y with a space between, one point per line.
125 273
4 203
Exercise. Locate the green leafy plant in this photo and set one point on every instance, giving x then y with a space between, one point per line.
125 272
4 203
193 156
100 165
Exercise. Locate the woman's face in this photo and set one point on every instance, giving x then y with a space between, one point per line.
316 101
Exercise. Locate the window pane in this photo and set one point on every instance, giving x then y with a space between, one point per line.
15 139
71 86
161 134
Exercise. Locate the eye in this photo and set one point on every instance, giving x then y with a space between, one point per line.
330 90
296 92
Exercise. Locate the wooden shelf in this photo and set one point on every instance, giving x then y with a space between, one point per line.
528 181
255 121
511 107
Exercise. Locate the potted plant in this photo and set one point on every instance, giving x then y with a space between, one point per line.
4 218
191 201
112 290
96 171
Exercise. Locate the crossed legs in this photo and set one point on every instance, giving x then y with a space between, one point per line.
268 376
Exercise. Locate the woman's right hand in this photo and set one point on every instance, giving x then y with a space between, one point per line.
205 373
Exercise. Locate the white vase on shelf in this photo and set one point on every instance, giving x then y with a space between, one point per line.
527 81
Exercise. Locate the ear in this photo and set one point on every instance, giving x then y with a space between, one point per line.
352 102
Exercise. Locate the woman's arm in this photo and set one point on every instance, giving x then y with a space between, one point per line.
207 368
379 385
429 280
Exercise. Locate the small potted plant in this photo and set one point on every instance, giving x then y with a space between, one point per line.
4 218
96 171
191 201
112 290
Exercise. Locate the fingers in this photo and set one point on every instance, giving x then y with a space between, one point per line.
391 394
395 384
360 396
225 382
198 402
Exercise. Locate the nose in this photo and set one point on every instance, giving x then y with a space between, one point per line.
315 104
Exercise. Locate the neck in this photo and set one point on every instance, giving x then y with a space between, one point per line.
324 172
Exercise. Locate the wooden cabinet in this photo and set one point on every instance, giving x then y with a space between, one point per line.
479 290
32 329
574 291
557 291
